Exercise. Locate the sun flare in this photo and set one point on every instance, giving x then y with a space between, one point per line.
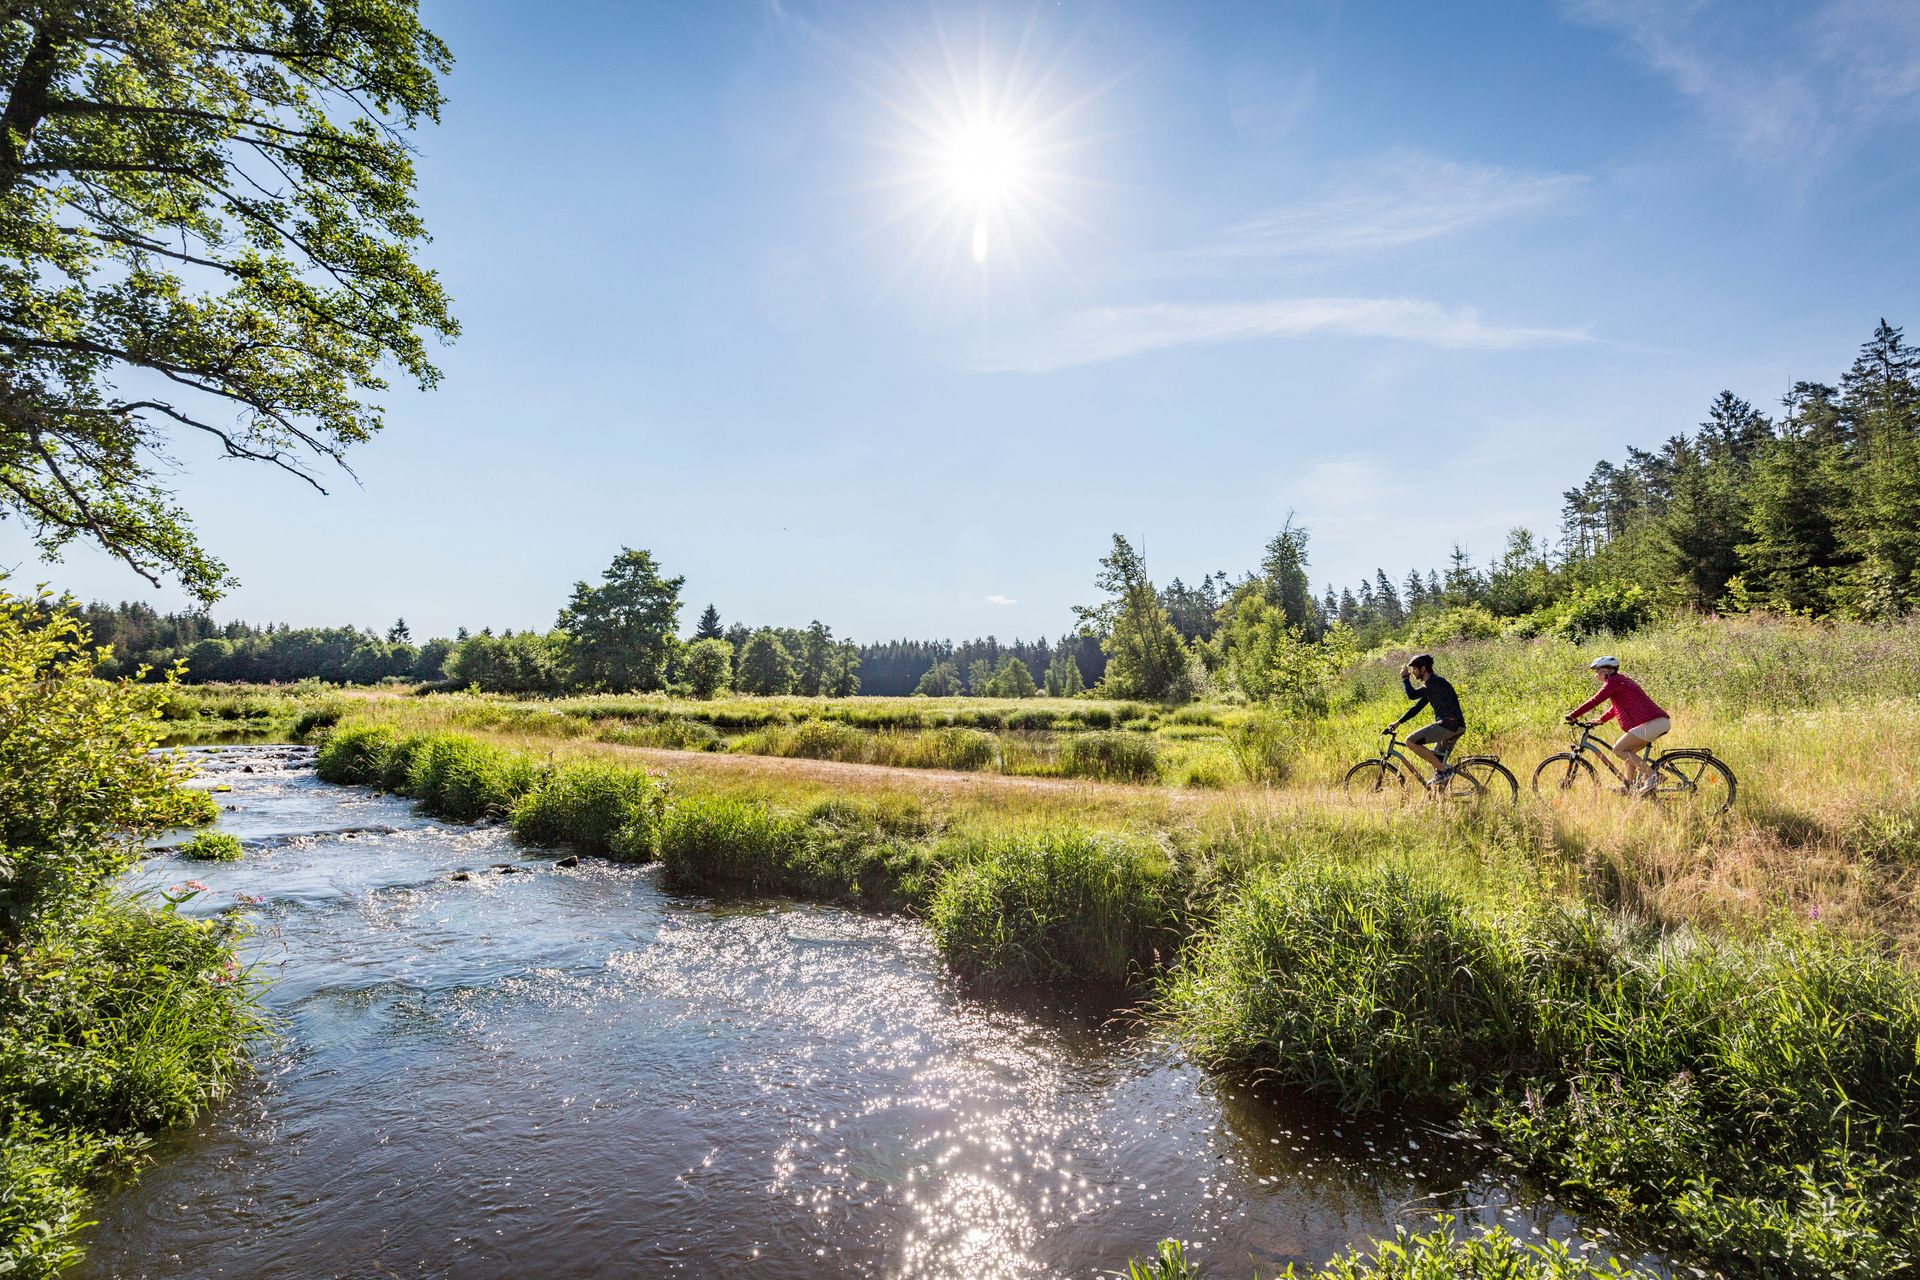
984 137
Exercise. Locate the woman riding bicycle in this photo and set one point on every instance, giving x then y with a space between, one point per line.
1638 714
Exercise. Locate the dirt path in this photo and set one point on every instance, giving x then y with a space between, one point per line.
894 777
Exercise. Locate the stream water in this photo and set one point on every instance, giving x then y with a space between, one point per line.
567 1073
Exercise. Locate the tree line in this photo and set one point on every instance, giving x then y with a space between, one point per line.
1810 511
1813 513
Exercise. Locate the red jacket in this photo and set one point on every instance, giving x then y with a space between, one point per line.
1630 703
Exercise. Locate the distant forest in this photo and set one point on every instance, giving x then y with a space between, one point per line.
1815 511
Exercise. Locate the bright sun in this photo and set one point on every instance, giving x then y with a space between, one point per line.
983 139
985 167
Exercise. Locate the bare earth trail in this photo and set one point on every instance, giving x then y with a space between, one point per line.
892 777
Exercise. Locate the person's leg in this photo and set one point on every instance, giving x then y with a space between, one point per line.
1435 734
1628 750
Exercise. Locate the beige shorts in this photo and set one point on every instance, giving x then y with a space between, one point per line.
1641 733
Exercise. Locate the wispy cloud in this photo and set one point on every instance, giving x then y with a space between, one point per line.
1001 600
1402 199
1111 333
1801 89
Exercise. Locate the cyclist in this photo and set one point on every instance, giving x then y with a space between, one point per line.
1432 742
1637 713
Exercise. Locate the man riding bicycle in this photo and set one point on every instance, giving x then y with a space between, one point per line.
1638 714
1435 740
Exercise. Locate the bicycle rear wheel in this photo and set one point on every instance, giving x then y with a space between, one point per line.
1492 779
1565 777
1372 779
1695 779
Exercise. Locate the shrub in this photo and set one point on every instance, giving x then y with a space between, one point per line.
356 754
1366 985
1441 1254
714 842
322 715
212 846
1027 908
594 807
1111 756
465 779
197 808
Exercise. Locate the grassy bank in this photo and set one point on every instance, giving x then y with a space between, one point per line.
118 1016
1736 1084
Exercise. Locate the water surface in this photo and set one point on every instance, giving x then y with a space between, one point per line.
570 1074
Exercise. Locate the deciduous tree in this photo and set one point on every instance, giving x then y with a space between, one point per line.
207 228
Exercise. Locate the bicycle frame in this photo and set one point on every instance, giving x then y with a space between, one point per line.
1588 744
1393 754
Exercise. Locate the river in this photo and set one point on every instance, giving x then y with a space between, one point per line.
568 1073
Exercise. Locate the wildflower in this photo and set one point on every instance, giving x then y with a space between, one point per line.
1813 912
196 886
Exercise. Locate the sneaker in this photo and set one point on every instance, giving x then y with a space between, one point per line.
1439 781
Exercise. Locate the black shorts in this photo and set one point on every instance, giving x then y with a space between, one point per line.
1439 737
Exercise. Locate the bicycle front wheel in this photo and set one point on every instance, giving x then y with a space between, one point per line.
1371 779
1694 779
1490 778
1565 777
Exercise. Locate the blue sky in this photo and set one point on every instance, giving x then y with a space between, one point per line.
1404 270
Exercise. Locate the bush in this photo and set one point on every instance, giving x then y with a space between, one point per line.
1366 985
212 846
356 755
1110 756
594 807
197 808
322 715
1055 904
465 779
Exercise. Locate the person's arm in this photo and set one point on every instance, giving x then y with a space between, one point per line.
1598 698
1419 697
1611 713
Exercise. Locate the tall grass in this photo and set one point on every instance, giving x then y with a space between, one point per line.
595 807
839 850
1025 907
1744 1100
1110 756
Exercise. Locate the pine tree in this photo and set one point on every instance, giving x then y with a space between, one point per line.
1284 567
1387 600
1880 397
709 628
399 633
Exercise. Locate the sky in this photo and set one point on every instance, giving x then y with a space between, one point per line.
892 315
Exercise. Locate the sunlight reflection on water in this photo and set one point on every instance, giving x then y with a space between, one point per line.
568 1073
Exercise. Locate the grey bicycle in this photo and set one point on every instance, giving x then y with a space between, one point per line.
1686 776
1469 779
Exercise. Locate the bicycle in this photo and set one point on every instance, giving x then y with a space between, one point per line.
1686 775
1471 778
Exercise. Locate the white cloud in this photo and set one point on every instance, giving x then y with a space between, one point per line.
1001 600
1792 87
1110 333
1403 199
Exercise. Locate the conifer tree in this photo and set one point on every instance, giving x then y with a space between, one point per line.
709 627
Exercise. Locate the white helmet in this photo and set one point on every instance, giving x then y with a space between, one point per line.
1598 663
